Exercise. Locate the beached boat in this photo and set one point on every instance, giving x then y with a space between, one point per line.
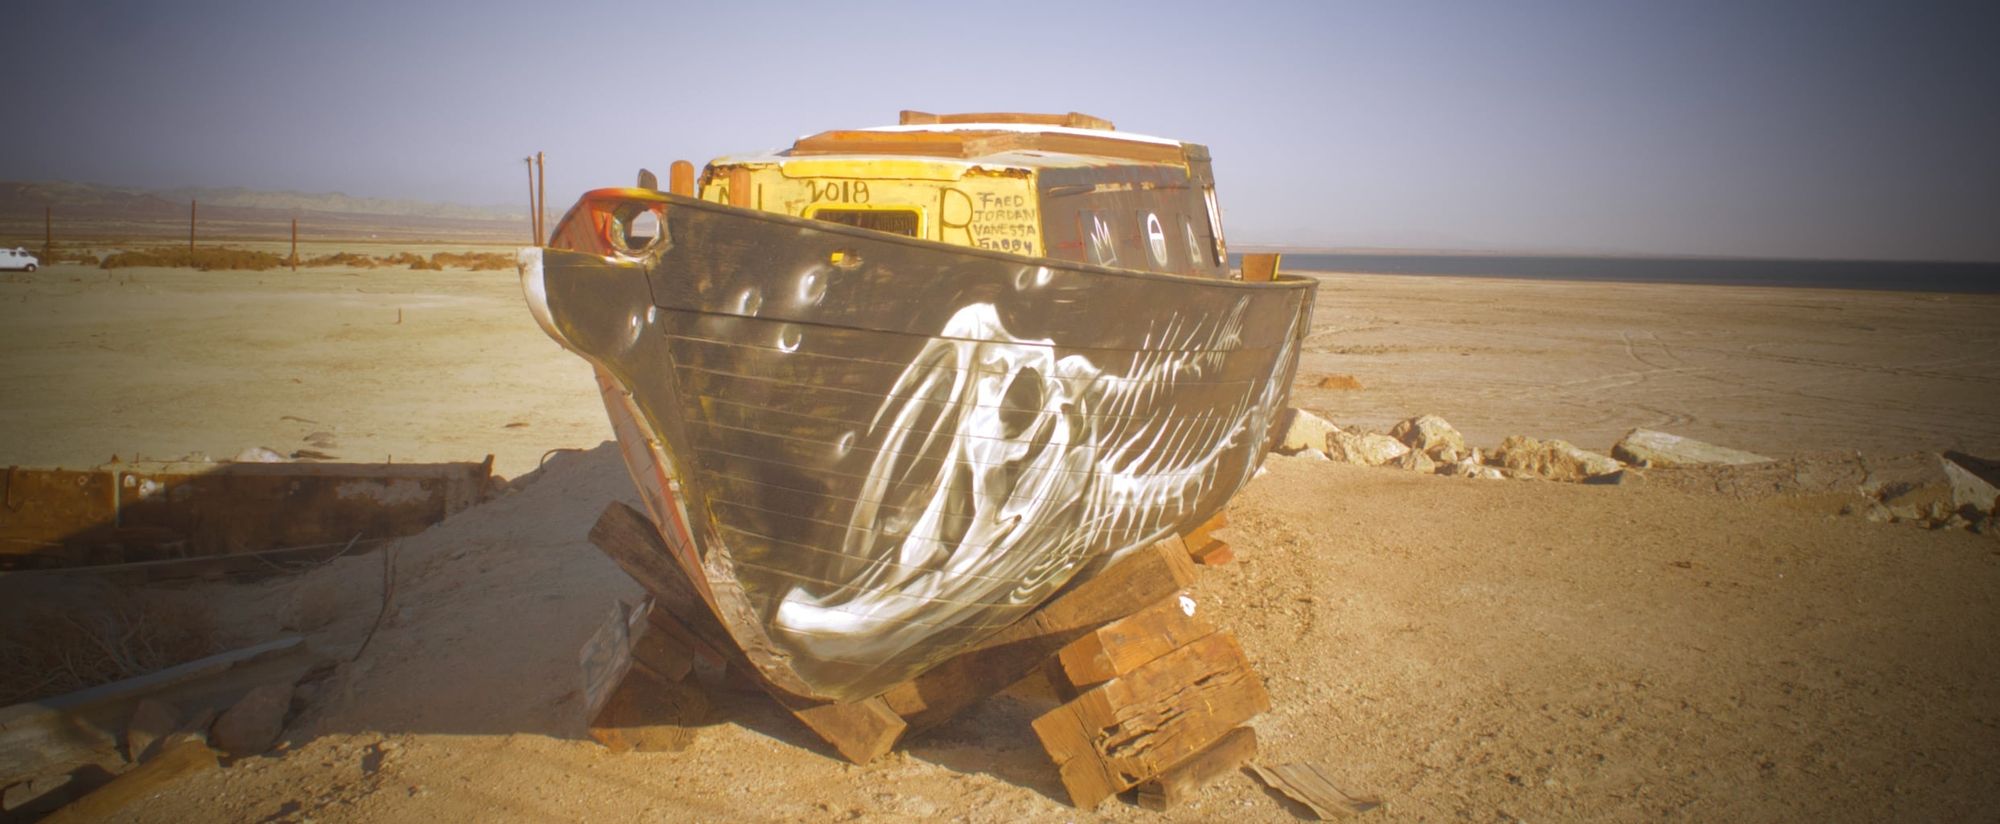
887 391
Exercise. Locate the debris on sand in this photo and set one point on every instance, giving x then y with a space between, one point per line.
1552 460
1431 435
1645 447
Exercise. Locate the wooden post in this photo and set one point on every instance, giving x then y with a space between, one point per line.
680 178
48 232
534 223
295 244
541 201
191 213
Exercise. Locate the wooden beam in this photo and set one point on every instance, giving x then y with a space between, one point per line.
1182 781
1144 576
861 731
183 758
650 714
1129 643
1138 726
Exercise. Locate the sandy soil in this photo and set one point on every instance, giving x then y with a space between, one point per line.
1467 650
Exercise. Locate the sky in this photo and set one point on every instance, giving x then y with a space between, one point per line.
1770 129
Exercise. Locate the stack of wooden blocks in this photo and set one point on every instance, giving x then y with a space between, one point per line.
1154 697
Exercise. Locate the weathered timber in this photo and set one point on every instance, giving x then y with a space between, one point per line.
72 729
662 655
635 544
1129 643
1305 784
861 730
607 655
1144 576
1215 554
646 713
1181 781
1204 547
1138 726
182 758
149 512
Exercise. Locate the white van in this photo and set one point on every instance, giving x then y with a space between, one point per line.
18 258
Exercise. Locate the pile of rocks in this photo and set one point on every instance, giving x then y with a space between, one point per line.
1940 491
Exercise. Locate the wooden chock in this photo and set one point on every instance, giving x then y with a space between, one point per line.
1204 547
1182 781
1129 643
1141 578
1141 725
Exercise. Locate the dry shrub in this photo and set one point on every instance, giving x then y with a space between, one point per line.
348 259
206 258
60 642
1339 382
476 261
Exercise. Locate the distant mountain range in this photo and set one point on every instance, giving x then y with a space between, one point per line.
19 197
112 214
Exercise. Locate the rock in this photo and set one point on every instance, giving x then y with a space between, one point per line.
1416 462
253 724
1470 467
1971 482
1305 431
1876 513
1552 460
258 454
1623 477
1366 449
1432 436
1339 382
152 720
1645 447
1911 486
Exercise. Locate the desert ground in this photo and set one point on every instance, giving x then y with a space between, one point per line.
1483 650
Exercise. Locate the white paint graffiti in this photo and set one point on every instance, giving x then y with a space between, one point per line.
1003 469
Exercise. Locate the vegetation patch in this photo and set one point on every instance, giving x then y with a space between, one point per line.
207 258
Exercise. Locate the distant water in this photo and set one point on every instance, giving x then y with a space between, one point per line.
1912 276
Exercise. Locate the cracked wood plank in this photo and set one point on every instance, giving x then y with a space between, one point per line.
1140 725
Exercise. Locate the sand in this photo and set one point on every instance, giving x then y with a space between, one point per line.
1479 650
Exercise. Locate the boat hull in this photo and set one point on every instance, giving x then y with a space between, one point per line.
871 452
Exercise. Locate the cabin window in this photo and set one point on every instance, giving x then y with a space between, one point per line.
906 222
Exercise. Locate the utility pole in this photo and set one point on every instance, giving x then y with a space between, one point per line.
295 244
192 206
541 201
534 223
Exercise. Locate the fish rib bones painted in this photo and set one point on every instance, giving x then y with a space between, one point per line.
871 452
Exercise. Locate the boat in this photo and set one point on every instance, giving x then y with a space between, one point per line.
886 391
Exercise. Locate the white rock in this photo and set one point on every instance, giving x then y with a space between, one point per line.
1366 448
1645 447
1967 488
1553 460
1432 436
1305 431
1416 461
258 454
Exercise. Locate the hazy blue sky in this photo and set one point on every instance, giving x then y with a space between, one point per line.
1818 129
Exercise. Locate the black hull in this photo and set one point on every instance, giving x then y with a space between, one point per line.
873 451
